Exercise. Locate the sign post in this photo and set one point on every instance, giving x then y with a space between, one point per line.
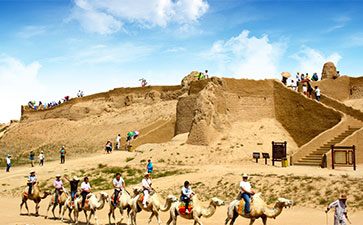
343 156
278 151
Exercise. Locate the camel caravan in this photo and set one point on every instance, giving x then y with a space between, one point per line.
248 204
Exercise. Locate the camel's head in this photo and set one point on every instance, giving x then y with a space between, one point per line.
285 202
137 190
217 202
172 198
104 195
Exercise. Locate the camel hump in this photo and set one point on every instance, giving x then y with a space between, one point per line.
258 195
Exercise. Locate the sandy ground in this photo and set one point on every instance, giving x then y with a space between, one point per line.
9 212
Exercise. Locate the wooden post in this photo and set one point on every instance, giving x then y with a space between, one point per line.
353 156
265 161
273 161
332 156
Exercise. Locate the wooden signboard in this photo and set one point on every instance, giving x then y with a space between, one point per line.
343 156
278 151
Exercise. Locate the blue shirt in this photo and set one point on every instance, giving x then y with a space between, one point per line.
149 167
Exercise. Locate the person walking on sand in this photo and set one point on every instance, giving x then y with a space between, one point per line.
86 189
41 158
317 93
149 166
8 163
340 214
246 191
32 179
119 186
74 187
63 154
32 157
146 185
118 138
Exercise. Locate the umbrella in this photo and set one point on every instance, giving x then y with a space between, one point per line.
136 132
286 74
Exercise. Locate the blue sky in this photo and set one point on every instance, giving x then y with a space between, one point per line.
52 48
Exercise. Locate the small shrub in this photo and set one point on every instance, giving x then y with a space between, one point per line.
129 159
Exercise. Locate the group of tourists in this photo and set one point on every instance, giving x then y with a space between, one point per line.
305 80
41 105
202 76
80 94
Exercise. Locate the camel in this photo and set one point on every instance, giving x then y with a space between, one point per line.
62 199
124 203
94 204
37 196
197 212
67 205
154 205
258 209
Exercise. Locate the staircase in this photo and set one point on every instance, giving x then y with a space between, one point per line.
315 157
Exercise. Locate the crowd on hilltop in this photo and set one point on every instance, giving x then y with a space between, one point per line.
305 80
33 104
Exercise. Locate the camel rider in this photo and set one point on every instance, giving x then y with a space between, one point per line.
32 180
58 185
146 185
86 189
186 195
119 185
340 206
74 186
246 192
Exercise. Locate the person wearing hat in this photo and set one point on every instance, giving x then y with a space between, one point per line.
146 184
63 154
32 179
246 192
74 187
340 206
41 158
58 185
119 185
8 163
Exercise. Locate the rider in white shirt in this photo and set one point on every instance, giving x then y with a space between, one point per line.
246 191
119 185
146 184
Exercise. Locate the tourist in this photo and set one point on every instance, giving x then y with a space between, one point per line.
315 77
108 147
32 180
338 74
206 74
340 214
82 94
8 163
63 155
146 185
149 166
118 138
119 185
186 195
317 93
74 187
284 80
41 158
310 89
302 77
85 190
305 90
246 192
32 157
58 185
307 76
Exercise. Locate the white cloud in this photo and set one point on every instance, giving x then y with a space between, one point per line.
30 31
175 49
108 16
311 60
247 56
18 83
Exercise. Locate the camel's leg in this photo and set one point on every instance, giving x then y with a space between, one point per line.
109 215
60 210
122 215
64 210
150 218
264 220
197 220
70 215
252 221
158 217
128 215
36 208
46 214
170 219
85 215
234 217
27 209
174 220
75 214
21 205
53 210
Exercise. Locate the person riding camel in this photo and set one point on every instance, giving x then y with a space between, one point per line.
186 195
32 180
340 206
119 185
146 185
246 192
58 185
74 187
86 189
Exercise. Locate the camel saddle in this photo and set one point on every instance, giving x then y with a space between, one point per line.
182 208
113 197
141 197
86 204
53 197
242 206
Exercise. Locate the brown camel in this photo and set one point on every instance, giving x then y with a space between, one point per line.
61 200
36 196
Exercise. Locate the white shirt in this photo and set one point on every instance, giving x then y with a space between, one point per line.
340 209
245 185
41 156
146 182
305 89
187 191
118 138
8 161
85 186
118 183
317 92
